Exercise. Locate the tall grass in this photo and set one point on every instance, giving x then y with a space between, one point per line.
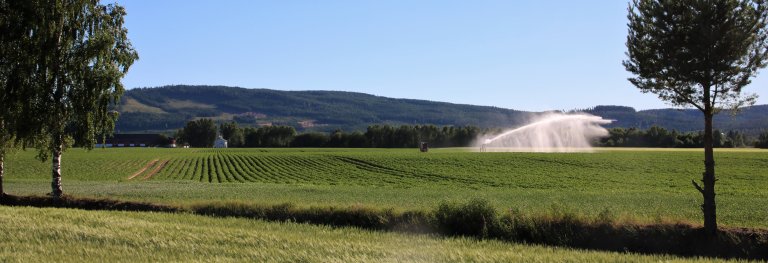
476 219
66 235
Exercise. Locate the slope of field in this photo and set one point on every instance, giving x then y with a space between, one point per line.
647 185
65 235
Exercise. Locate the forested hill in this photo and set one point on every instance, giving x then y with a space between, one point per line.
170 107
750 119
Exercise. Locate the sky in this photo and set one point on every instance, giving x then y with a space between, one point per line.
523 55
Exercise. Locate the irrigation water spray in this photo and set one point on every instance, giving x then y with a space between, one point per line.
553 132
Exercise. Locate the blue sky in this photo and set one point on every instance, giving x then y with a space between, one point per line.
524 55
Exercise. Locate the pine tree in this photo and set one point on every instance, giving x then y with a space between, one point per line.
698 53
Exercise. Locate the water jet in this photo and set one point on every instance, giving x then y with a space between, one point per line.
551 132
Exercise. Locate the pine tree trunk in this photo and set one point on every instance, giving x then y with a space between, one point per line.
708 192
56 191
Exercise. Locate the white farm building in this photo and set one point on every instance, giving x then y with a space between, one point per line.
220 143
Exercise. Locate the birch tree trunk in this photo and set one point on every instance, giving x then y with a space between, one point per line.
2 173
56 191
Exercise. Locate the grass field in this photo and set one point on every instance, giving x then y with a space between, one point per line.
637 185
67 235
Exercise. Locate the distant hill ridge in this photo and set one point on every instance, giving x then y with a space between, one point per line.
751 120
170 107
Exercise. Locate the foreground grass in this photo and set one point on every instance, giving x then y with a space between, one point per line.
33 234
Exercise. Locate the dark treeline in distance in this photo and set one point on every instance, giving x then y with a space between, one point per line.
375 136
201 133
659 137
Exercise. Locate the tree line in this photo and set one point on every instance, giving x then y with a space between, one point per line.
203 133
660 137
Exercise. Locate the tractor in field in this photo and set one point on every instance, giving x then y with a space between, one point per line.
423 147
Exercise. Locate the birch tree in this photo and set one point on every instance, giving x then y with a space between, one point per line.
84 52
16 78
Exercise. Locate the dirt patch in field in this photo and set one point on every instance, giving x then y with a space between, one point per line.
157 169
140 171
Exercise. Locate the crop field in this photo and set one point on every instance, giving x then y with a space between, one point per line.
635 185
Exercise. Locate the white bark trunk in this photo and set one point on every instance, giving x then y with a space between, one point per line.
2 173
56 173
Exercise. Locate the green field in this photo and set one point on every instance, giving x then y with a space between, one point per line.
637 185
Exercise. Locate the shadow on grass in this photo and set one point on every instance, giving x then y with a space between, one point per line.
476 218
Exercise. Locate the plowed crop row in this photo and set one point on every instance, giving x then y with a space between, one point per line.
234 167
470 171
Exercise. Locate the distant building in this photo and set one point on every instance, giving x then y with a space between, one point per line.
138 140
220 143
